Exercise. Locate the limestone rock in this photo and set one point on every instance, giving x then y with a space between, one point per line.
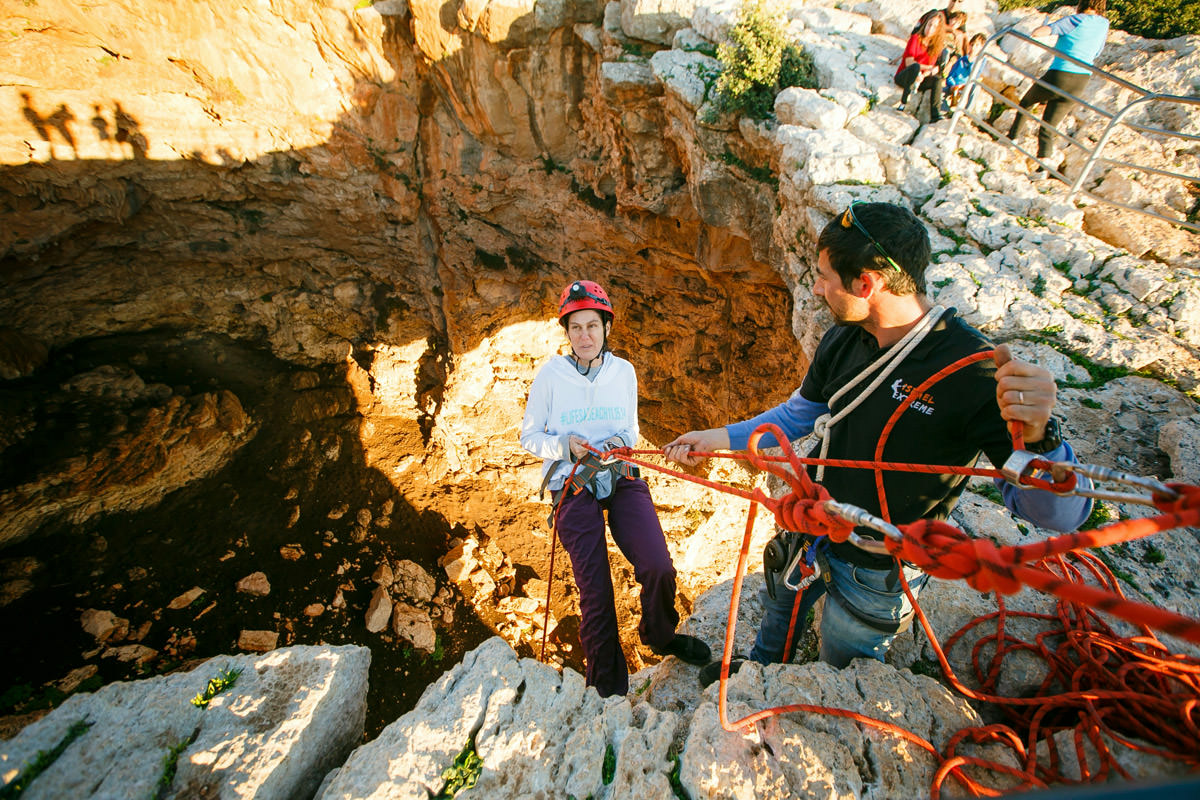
258 641
136 653
414 625
162 448
1180 440
186 599
379 612
102 624
688 75
20 354
655 20
75 677
383 575
627 80
290 717
460 562
804 107
255 584
802 754
413 581
828 156
536 731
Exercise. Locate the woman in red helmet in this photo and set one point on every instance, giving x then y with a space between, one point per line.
590 397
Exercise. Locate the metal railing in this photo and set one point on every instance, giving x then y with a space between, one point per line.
1095 154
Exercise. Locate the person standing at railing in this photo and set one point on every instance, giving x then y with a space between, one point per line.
1080 35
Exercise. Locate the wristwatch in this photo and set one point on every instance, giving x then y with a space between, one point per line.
1049 441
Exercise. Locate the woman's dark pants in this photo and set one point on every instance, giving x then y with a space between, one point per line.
932 86
1057 106
636 531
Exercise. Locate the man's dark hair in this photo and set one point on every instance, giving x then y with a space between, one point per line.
1099 6
897 230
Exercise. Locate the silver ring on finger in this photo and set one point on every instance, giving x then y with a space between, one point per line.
1021 397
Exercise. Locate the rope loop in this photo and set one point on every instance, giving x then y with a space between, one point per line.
821 425
796 476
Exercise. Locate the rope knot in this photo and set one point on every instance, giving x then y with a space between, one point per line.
821 425
808 515
944 551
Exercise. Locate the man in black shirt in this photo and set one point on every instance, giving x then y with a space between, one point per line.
890 338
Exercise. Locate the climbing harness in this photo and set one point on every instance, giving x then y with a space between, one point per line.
1117 690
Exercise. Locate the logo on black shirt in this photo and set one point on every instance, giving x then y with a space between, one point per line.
923 403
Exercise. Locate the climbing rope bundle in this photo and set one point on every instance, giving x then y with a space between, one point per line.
1106 689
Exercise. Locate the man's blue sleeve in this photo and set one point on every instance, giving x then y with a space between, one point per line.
795 417
1046 509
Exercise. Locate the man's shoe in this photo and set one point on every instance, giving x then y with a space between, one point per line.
712 671
685 648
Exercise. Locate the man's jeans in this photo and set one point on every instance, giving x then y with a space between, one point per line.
843 635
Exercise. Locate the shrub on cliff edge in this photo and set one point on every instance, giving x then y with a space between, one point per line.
757 62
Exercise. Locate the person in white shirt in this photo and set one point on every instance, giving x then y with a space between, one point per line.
590 397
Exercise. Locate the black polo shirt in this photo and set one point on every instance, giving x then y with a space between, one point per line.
951 423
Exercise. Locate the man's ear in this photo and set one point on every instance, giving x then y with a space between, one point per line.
869 282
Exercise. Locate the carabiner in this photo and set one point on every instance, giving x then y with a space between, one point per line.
809 554
1108 475
860 517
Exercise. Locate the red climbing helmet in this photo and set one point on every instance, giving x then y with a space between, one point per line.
582 295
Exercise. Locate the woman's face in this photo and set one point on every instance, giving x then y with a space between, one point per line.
932 25
586 331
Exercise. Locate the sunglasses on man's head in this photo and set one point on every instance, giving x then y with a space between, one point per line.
848 220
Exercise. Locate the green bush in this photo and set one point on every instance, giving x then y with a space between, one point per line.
1155 19
757 62
1150 19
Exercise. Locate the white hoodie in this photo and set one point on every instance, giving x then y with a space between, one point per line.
563 402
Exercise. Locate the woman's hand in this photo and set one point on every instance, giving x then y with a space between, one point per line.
578 447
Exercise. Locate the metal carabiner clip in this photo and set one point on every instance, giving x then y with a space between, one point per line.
1099 473
808 554
860 517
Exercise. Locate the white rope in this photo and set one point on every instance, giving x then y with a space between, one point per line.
889 361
